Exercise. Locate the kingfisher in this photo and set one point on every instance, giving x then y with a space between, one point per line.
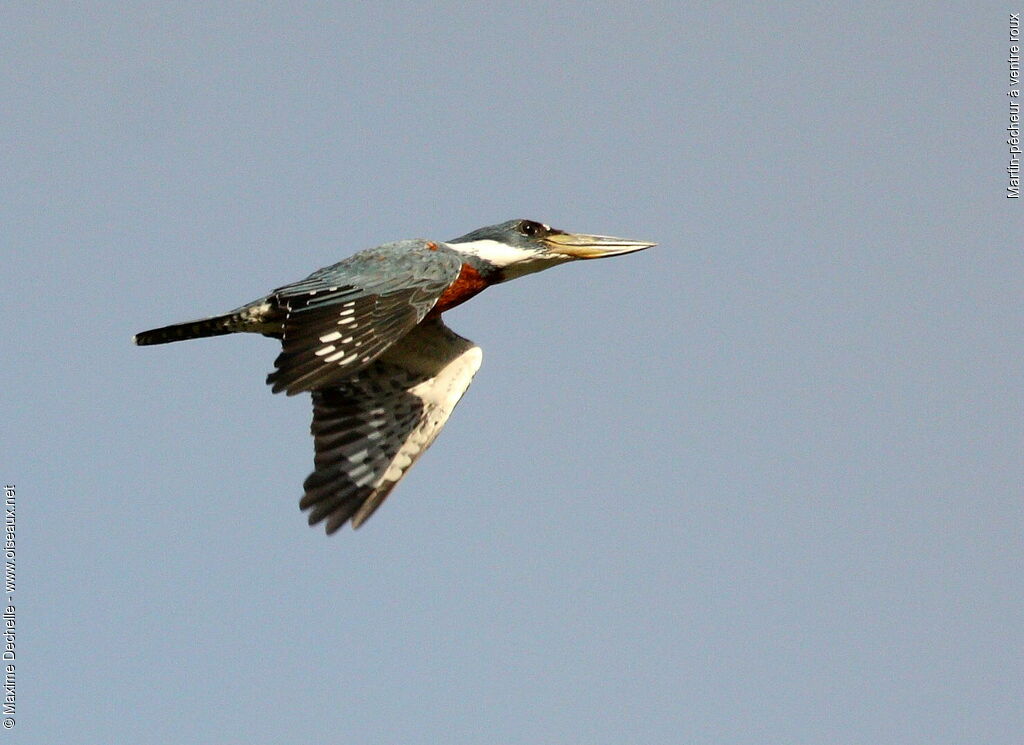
365 337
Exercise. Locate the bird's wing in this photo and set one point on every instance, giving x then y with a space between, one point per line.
369 430
341 318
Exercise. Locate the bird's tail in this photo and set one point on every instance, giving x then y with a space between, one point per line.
214 326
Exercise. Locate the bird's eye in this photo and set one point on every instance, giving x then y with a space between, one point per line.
531 229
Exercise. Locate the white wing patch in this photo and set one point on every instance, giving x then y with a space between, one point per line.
439 395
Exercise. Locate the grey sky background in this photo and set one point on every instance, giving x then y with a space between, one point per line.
760 484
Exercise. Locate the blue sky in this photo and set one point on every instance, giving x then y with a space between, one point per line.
758 484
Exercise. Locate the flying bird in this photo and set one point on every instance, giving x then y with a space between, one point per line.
365 337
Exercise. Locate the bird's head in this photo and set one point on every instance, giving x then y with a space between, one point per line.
519 247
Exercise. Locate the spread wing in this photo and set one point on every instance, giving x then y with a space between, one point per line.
341 318
371 428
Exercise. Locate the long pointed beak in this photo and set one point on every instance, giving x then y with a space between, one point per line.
581 246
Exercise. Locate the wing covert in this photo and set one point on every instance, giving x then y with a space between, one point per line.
341 318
